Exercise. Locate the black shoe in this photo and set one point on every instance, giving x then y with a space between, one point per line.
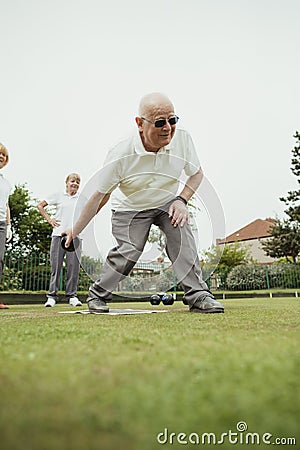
207 305
97 305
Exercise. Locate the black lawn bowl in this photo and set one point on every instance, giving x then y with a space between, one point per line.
71 247
168 299
155 300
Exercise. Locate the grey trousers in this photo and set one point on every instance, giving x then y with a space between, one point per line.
131 230
2 245
57 254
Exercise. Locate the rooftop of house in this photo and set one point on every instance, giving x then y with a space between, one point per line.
259 228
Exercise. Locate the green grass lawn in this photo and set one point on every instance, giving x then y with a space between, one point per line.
74 382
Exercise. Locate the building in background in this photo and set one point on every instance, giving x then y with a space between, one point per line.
250 237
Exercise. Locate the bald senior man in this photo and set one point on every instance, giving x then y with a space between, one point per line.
143 175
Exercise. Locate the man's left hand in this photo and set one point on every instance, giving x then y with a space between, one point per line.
178 213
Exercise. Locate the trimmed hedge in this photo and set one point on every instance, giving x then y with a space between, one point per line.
261 276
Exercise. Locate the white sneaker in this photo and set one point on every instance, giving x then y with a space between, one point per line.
50 302
73 301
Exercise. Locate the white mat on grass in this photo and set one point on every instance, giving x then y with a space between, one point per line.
115 312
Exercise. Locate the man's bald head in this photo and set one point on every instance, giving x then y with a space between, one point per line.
152 101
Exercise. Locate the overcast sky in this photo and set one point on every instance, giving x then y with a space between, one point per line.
73 71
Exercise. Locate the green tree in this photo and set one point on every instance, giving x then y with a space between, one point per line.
156 236
31 233
285 240
221 260
292 200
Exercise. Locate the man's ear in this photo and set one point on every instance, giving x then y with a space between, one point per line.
139 123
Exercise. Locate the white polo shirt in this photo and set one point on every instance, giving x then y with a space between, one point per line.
5 190
146 180
68 209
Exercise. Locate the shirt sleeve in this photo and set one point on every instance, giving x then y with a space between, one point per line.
109 175
192 161
53 199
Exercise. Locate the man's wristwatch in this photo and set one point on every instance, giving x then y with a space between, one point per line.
178 197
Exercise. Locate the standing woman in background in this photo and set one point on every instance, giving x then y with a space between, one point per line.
65 203
5 226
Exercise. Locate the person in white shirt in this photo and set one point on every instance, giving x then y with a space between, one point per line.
5 226
67 205
143 173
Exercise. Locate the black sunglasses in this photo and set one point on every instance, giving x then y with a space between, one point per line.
162 122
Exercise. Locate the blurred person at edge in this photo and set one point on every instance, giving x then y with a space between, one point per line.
5 226
144 173
65 203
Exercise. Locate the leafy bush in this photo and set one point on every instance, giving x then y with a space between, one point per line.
260 276
284 275
243 277
11 280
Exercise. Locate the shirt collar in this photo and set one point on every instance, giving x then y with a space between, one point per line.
140 149
71 196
